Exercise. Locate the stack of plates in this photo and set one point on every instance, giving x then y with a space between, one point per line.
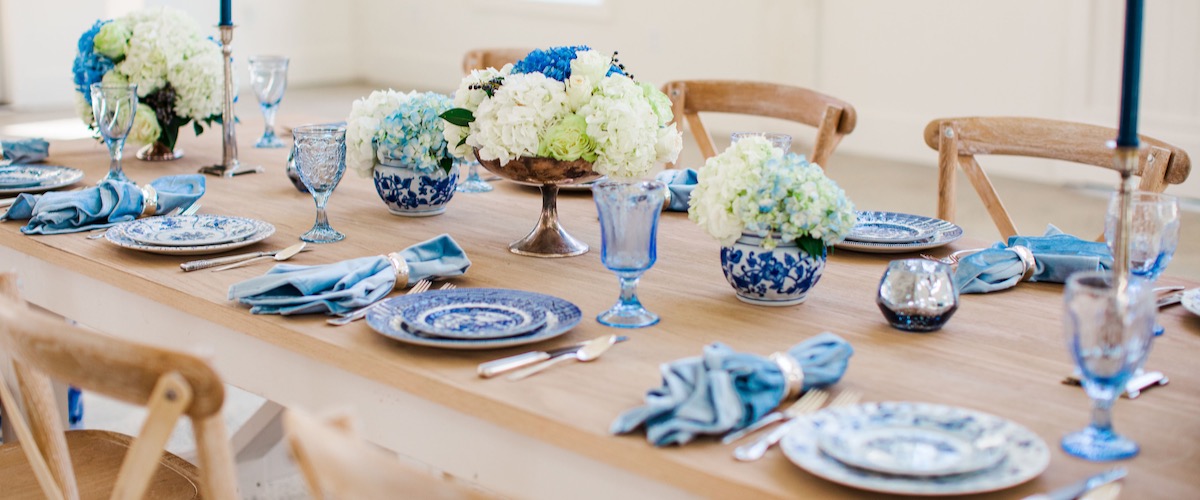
915 449
189 234
891 232
474 318
33 178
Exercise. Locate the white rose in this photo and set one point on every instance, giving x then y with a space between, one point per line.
670 143
590 64
579 91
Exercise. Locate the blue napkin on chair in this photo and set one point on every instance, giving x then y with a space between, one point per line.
347 285
1056 256
25 150
680 183
108 203
724 390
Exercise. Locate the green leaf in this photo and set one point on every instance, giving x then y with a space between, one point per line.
461 142
813 246
447 163
169 135
197 128
459 116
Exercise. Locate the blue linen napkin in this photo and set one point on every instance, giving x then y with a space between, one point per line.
347 285
108 203
1056 256
724 390
25 150
680 183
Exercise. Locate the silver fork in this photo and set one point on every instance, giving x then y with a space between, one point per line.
361 312
796 409
756 450
953 258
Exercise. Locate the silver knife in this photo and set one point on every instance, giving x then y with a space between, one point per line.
1135 385
1082 488
1169 299
496 367
197 265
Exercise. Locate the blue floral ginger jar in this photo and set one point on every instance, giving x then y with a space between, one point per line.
411 192
778 277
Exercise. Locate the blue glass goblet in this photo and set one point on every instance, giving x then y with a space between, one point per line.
1108 335
472 183
629 213
114 108
268 78
321 161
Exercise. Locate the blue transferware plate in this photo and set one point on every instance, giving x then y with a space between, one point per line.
116 235
888 232
914 440
561 316
940 233
473 315
16 178
190 230
1026 454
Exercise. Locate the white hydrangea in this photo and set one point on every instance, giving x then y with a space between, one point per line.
754 187
83 107
511 123
161 39
199 81
469 98
624 127
366 115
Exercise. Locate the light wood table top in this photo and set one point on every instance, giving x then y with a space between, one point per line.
1001 353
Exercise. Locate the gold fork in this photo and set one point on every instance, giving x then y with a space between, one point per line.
361 312
801 406
756 450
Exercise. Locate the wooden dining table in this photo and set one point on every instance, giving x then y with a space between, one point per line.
548 436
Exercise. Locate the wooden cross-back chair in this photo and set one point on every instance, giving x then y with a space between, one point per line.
46 462
959 140
833 117
337 464
491 58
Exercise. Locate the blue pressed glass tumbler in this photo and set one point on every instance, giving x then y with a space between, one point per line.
321 161
1108 336
629 213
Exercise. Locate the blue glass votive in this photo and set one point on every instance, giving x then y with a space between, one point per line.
917 295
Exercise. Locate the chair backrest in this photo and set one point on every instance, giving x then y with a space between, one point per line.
337 464
168 383
491 58
833 117
959 140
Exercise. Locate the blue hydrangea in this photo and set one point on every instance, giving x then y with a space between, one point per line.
554 62
412 135
90 67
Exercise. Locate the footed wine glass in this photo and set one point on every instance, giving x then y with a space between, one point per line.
473 183
321 161
1108 337
1154 231
629 213
114 107
268 77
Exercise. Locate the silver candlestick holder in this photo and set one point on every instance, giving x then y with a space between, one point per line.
229 166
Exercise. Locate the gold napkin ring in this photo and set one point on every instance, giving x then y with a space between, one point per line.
149 200
793 375
1027 261
401 268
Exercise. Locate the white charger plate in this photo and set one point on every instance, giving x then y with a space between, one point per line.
191 230
1026 456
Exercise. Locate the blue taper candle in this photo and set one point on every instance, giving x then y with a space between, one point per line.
226 14
1131 69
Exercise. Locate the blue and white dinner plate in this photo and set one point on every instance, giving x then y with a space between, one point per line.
877 231
940 233
472 315
16 178
911 440
1191 301
561 316
190 230
116 235
1025 454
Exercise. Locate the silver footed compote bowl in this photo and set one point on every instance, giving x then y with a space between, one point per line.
548 238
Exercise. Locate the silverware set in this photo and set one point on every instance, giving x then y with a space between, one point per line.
809 403
496 367
277 256
197 265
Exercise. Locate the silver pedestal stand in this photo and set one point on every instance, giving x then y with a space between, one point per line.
230 166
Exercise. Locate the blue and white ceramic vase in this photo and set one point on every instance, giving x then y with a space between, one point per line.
413 193
778 277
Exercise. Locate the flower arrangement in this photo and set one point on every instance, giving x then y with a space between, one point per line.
754 187
394 127
565 103
179 72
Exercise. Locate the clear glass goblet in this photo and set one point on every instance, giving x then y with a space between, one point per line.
114 107
1108 338
320 161
472 182
1154 231
629 213
268 77
781 141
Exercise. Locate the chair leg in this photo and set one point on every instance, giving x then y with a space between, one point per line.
947 169
218 479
